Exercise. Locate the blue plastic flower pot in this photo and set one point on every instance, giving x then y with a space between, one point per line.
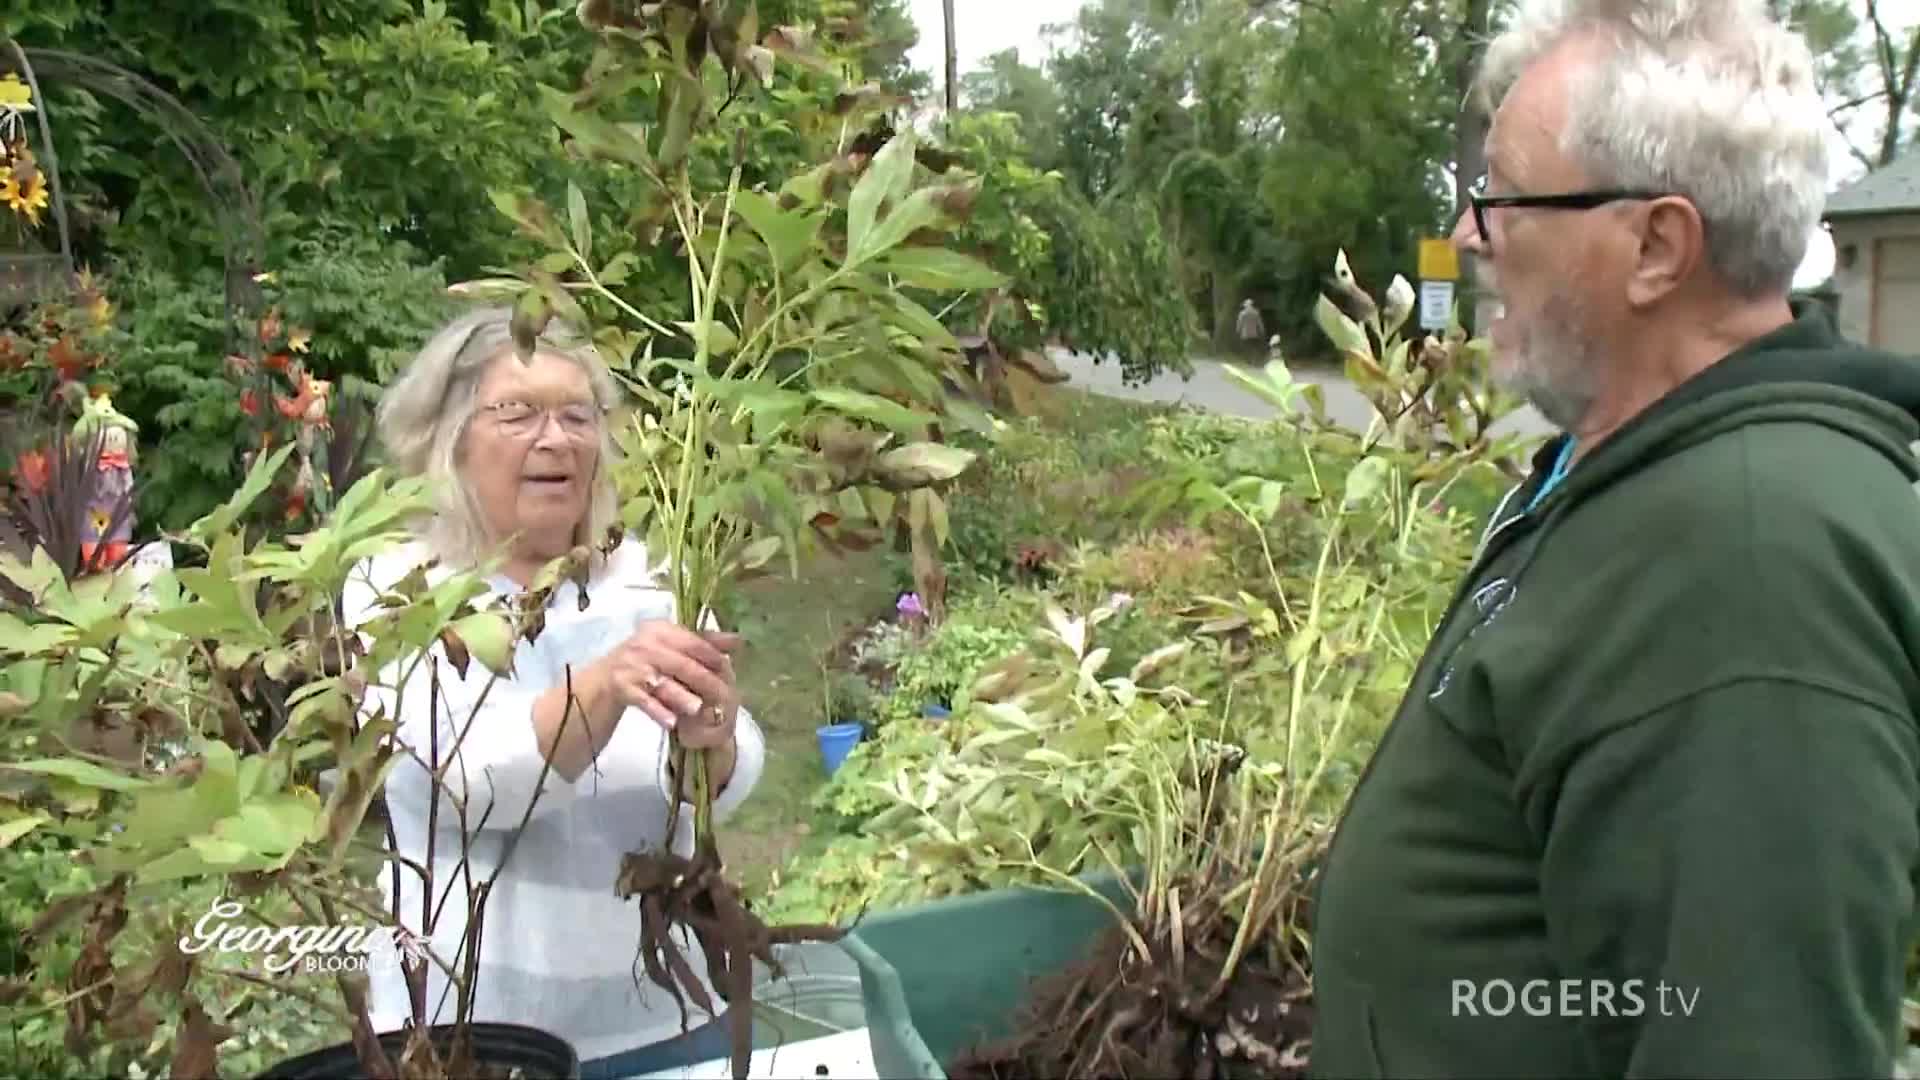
837 741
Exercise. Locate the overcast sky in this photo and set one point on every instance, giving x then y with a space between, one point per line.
984 27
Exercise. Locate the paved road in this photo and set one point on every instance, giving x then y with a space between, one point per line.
1210 388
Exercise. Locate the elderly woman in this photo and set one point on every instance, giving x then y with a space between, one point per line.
518 456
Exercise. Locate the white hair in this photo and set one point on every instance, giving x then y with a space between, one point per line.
1709 99
425 413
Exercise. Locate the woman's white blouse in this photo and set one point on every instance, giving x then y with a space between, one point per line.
559 950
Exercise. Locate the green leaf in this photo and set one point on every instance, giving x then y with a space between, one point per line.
1367 481
265 468
917 211
17 637
1397 357
940 269
216 852
84 773
582 224
197 621
179 863
636 513
771 408
871 407
920 322
924 463
759 553
19 827
1275 382
789 234
618 268
719 339
1271 492
684 96
73 798
38 577
597 136
809 188
887 179
364 769
1346 335
489 639
273 826
532 215
487 289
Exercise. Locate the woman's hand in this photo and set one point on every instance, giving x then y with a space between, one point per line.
682 679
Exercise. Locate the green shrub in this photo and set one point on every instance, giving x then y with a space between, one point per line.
978 631
367 308
42 867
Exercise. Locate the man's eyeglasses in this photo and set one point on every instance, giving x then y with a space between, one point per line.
1570 200
523 420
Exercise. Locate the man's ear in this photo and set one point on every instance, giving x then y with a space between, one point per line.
1672 245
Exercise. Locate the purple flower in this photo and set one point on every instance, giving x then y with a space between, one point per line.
909 606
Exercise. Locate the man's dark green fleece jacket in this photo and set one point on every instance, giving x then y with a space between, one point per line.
1652 805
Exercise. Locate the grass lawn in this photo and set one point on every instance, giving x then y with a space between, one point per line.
791 624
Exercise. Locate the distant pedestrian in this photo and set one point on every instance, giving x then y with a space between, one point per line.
1252 331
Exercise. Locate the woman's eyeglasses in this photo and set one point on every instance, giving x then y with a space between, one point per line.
524 420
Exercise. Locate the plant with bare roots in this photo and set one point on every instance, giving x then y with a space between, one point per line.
797 403
1206 970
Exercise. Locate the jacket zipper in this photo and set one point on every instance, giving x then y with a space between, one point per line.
1487 551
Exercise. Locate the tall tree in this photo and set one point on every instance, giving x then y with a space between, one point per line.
1896 60
1865 69
1468 45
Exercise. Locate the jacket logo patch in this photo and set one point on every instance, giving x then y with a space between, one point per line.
1488 601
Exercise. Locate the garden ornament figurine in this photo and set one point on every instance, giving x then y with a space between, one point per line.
101 534
1651 805
517 453
309 409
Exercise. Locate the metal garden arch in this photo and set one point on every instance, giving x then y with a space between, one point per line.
232 204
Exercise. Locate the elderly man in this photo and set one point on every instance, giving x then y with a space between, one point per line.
1651 805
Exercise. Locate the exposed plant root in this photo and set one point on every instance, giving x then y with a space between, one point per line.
1111 1015
695 893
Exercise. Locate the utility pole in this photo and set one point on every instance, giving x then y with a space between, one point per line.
953 58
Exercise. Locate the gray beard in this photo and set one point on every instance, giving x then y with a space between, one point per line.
1556 371
1563 402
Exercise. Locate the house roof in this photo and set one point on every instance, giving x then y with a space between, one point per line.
1891 189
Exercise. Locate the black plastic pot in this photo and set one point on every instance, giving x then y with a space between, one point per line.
543 1056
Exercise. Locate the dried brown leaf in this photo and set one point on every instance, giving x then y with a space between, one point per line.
196 1046
457 653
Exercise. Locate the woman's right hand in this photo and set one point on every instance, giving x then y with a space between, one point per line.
670 672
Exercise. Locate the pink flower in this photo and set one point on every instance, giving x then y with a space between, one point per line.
909 606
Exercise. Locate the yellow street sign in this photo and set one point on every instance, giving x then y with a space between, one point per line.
1438 260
